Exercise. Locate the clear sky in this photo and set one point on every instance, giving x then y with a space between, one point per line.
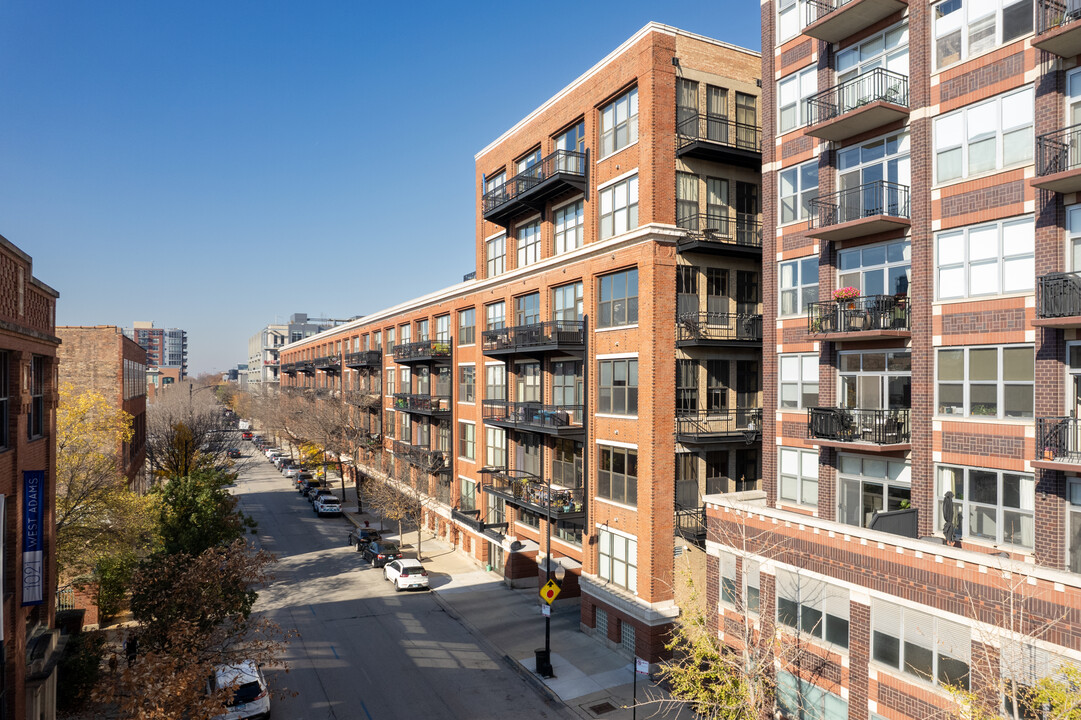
217 165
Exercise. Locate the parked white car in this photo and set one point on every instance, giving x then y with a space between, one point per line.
272 453
406 574
251 697
327 505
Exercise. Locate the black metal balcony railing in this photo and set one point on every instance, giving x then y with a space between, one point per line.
426 459
550 333
861 314
1053 14
691 523
746 230
705 424
289 368
862 201
876 426
529 415
864 89
422 403
818 9
364 398
423 350
329 362
694 126
306 366
567 162
1058 295
367 358
1058 151
1058 438
707 326
527 490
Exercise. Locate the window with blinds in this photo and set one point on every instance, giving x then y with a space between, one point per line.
811 606
920 644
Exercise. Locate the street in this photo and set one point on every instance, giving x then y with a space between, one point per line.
365 651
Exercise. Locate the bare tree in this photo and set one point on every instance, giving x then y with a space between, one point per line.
188 430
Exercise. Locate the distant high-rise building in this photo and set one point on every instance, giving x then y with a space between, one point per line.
165 347
263 346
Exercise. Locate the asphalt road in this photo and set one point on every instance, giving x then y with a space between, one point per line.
365 651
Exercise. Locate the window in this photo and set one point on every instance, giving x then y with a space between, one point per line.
467 383
798 698
442 328
619 207
467 320
527 309
566 383
496 447
920 644
799 285
377 342
495 181
468 495
618 389
799 476
423 436
617 477
619 123
864 168
567 303
496 316
618 299
966 28
527 454
791 18
422 330
391 373
717 384
574 139
799 186
495 382
888 49
497 255
467 447
529 161
730 594
5 398
529 243
528 518
986 259
406 378
792 94
618 557
884 269
876 380
390 339
752 586
570 531
390 423
799 381
992 381
567 463
528 385
992 505
686 387
404 335
813 607
569 223
870 485
405 428
687 200
985 137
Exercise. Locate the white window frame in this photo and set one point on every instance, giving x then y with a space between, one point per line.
1000 383
806 373
495 442
799 287
909 626
800 479
821 609
496 255
801 191
795 13
967 508
805 84
619 115
961 24
495 315
619 207
903 247
615 550
528 243
954 269
467 439
953 132
568 222
895 474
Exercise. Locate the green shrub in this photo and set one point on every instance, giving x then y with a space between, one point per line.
114 577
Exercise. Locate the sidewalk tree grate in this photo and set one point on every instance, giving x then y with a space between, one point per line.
602 708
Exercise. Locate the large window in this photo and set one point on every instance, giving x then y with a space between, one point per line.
497 255
811 606
798 698
792 94
617 302
920 644
799 381
567 463
619 123
884 269
527 387
573 139
791 17
495 446
618 387
527 309
876 379
799 186
442 328
467 383
863 169
986 259
529 243
495 382
405 334
567 382
798 282
618 556
985 137
870 485
422 330
567 302
966 28
569 224
467 322
468 498
799 475
617 477
994 382
467 441
992 505
496 316
619 207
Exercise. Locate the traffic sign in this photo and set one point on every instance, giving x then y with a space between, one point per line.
549 591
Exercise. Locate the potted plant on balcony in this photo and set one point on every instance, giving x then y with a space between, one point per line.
440 348
845 296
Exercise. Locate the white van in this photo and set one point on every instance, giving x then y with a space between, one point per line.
251 698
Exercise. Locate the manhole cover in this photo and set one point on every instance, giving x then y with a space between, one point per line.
602 708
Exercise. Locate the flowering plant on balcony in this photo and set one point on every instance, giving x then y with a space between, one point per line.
846 293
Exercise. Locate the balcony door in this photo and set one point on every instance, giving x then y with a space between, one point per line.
686 107
887 50
864 168
528 382
880 380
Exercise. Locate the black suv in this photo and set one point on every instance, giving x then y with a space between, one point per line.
360 538
379 553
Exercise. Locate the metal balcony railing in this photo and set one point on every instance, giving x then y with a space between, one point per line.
567 162
706 326
422 403
1058 151
426 459
705 424
876 426
306 366
745 230
1053 14
65 598
691 523
289 368
329 362
1058 295
554 333
423 350
693 126
529 415
528 490
367 358
862 201
861 314
1058 438
864 89
364 398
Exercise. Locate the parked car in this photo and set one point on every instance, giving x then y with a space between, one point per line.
233 452
292 471
308 484
246 435
299 480
327 505
280 461
318 492
272 453
380 552
406 574
251 697
360 537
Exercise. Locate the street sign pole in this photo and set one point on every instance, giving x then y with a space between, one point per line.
634 693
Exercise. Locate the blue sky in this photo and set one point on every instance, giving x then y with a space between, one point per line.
217 165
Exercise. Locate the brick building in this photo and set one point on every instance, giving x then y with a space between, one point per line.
165 347
103 359
918 195
598 374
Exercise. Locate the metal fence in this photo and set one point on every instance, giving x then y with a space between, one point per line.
1053 14
568 162
878 84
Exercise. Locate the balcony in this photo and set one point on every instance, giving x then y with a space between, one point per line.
719 426
835 20
707 329
364 398
1058 300
536 338
306 366
1058 444
691 524
430 461
717 138
289 368
868 101
860 211
559 420
430 405
366 359
469 518
530 492
330 364
423 351
1058 161
529 190
862 318
1057 28
874 430
719 235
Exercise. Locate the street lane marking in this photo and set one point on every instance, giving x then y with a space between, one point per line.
335 651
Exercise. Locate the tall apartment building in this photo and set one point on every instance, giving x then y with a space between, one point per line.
165 347
103 359
919 203
264 346
600 374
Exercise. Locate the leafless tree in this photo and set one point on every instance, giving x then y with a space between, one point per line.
187 430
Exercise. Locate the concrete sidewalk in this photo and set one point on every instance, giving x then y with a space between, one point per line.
590 680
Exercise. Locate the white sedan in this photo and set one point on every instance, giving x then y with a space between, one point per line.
405 574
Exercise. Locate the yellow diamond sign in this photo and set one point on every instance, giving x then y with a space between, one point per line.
549 591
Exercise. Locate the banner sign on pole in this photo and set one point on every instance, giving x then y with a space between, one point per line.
33 549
